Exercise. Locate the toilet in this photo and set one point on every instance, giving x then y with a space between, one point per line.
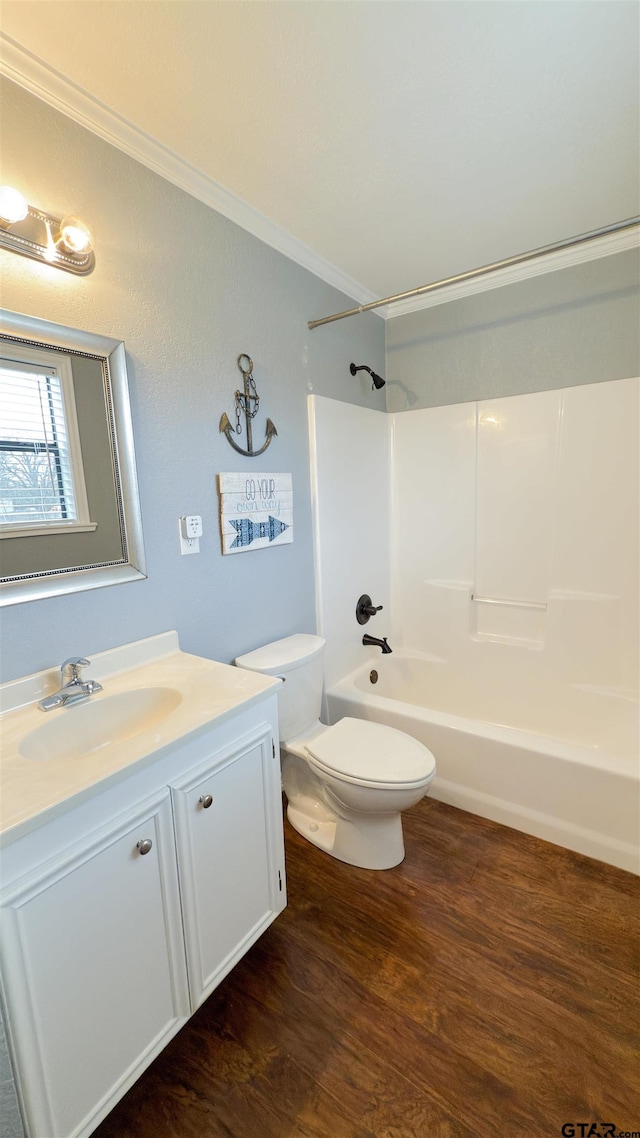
345 785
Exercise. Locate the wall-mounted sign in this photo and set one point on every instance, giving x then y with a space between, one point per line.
256 510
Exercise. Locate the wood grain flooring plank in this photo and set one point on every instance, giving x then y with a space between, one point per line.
576 1048
318 985
541 955
487 1013
365 1084
487 986
209 1083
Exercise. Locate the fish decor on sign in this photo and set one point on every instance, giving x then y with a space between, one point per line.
247 404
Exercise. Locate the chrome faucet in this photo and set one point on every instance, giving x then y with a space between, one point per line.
72 687
386 650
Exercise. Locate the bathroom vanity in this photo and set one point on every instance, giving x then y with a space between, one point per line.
142 854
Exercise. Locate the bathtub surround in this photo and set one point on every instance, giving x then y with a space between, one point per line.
513 568
351 492
529 505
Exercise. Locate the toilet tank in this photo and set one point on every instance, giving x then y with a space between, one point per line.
298 660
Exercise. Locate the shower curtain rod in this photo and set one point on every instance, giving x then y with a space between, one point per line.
517 260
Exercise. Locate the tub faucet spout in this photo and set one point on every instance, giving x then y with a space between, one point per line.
382 644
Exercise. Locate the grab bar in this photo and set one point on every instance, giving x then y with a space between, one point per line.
500 601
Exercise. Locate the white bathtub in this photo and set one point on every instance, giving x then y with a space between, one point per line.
561 764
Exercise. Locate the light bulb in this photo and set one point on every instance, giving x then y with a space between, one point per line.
13 206
75 235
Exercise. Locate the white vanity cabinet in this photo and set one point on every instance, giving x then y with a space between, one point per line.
93 966
122 914
231 876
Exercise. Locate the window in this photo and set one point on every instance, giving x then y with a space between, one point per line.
42 487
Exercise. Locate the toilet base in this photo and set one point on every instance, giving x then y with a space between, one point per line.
369 842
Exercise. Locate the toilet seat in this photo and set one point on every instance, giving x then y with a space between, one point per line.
371 754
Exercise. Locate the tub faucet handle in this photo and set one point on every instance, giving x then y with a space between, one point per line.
365 609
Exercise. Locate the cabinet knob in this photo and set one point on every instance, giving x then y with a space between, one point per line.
144 845
205 801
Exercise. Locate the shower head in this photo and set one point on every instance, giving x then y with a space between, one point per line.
378 381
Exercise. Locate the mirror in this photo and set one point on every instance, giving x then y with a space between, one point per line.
69 507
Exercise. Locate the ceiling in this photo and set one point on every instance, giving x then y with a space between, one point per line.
401 141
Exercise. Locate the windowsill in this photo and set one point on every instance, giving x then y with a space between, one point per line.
42 530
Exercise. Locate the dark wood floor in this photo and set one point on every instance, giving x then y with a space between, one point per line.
487 986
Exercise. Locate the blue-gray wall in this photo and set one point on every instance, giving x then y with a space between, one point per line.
576 325
187 290
10 1118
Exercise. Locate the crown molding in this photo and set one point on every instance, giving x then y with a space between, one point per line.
593 250
61 93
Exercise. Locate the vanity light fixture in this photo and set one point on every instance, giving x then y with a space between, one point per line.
64 242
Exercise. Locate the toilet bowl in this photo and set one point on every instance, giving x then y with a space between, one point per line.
345 785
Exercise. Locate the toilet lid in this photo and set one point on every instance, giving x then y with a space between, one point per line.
372 753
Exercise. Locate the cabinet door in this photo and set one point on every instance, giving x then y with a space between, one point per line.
230 858
94 969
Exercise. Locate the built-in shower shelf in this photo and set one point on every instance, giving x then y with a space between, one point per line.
541 605
509 621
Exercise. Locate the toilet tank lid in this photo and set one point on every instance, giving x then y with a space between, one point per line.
291 652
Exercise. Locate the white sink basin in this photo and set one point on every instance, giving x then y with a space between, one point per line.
87 727
154 699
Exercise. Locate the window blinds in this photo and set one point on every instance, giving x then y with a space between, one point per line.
36 481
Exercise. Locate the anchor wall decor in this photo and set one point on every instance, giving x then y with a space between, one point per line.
247 403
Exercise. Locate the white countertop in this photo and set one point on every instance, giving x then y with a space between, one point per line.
209 693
